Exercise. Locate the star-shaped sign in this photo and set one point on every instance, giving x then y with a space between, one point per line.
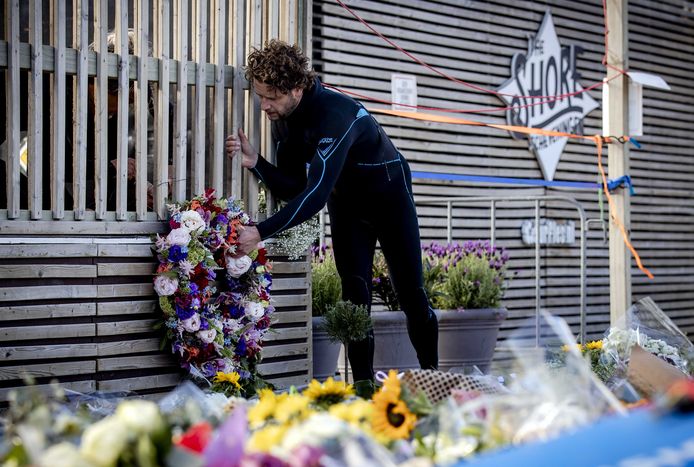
548 69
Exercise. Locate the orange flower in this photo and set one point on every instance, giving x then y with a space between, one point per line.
194 205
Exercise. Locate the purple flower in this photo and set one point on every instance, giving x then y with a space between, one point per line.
178 253
241 347
184 313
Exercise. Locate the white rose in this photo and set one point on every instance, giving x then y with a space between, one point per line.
104 441
63 455
207 335
191 324
254 310
238 266
233 325
191 221
140 416
165 285
180 236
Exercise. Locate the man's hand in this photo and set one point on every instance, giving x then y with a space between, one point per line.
248 240
234 144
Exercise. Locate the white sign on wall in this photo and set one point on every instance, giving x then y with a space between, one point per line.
551 232
403 90
548 69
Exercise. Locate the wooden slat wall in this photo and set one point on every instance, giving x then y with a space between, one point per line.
475 41
76 297
83 311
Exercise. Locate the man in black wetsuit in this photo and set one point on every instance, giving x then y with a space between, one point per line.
356 169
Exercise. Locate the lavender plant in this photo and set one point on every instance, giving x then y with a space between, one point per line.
471 275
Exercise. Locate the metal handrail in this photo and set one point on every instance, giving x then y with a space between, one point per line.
493 200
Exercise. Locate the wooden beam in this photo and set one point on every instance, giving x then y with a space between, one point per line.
615 121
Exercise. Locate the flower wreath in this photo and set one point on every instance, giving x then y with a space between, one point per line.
215 335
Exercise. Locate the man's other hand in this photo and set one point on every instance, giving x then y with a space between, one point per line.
235 143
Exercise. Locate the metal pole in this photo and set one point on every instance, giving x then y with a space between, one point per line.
492 221
537 272
321 217
449 225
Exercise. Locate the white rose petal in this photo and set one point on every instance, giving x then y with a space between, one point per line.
238 266
140 416
207 335
165 285
254 310
191 221
63 455
191 324
180 236
104 441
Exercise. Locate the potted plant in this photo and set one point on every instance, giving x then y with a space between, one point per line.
465 284
346 322
326 291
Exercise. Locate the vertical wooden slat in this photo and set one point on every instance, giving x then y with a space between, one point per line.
161 162
198 162
291 20
304 27
121 49
12 100
220 40
100 109
79 96
273 20
141 106
58 11
238 94
181 54
35 134
250 194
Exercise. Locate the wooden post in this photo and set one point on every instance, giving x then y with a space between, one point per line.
615 122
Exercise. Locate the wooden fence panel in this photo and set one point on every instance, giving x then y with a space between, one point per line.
96 328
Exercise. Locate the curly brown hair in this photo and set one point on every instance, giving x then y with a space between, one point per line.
281 66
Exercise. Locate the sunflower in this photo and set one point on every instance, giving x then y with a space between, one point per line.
392 383
231 378
329 393
594 345
391 417
357 413
266 407
292 408
266 438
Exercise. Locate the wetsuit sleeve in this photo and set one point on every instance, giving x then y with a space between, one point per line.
323 172
284 182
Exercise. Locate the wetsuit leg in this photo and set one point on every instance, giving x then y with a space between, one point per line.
398 234
354 243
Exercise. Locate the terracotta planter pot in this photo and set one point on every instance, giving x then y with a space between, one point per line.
468 338
325 353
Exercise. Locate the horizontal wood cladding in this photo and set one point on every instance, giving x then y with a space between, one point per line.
83 311
475 42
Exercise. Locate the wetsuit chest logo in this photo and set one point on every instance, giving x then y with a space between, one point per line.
325 145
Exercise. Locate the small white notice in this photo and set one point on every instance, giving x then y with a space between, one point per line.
403 91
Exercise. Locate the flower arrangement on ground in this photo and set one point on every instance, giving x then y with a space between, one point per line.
215 335
471 275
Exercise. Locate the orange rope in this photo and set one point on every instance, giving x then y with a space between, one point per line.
598 140
613 210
